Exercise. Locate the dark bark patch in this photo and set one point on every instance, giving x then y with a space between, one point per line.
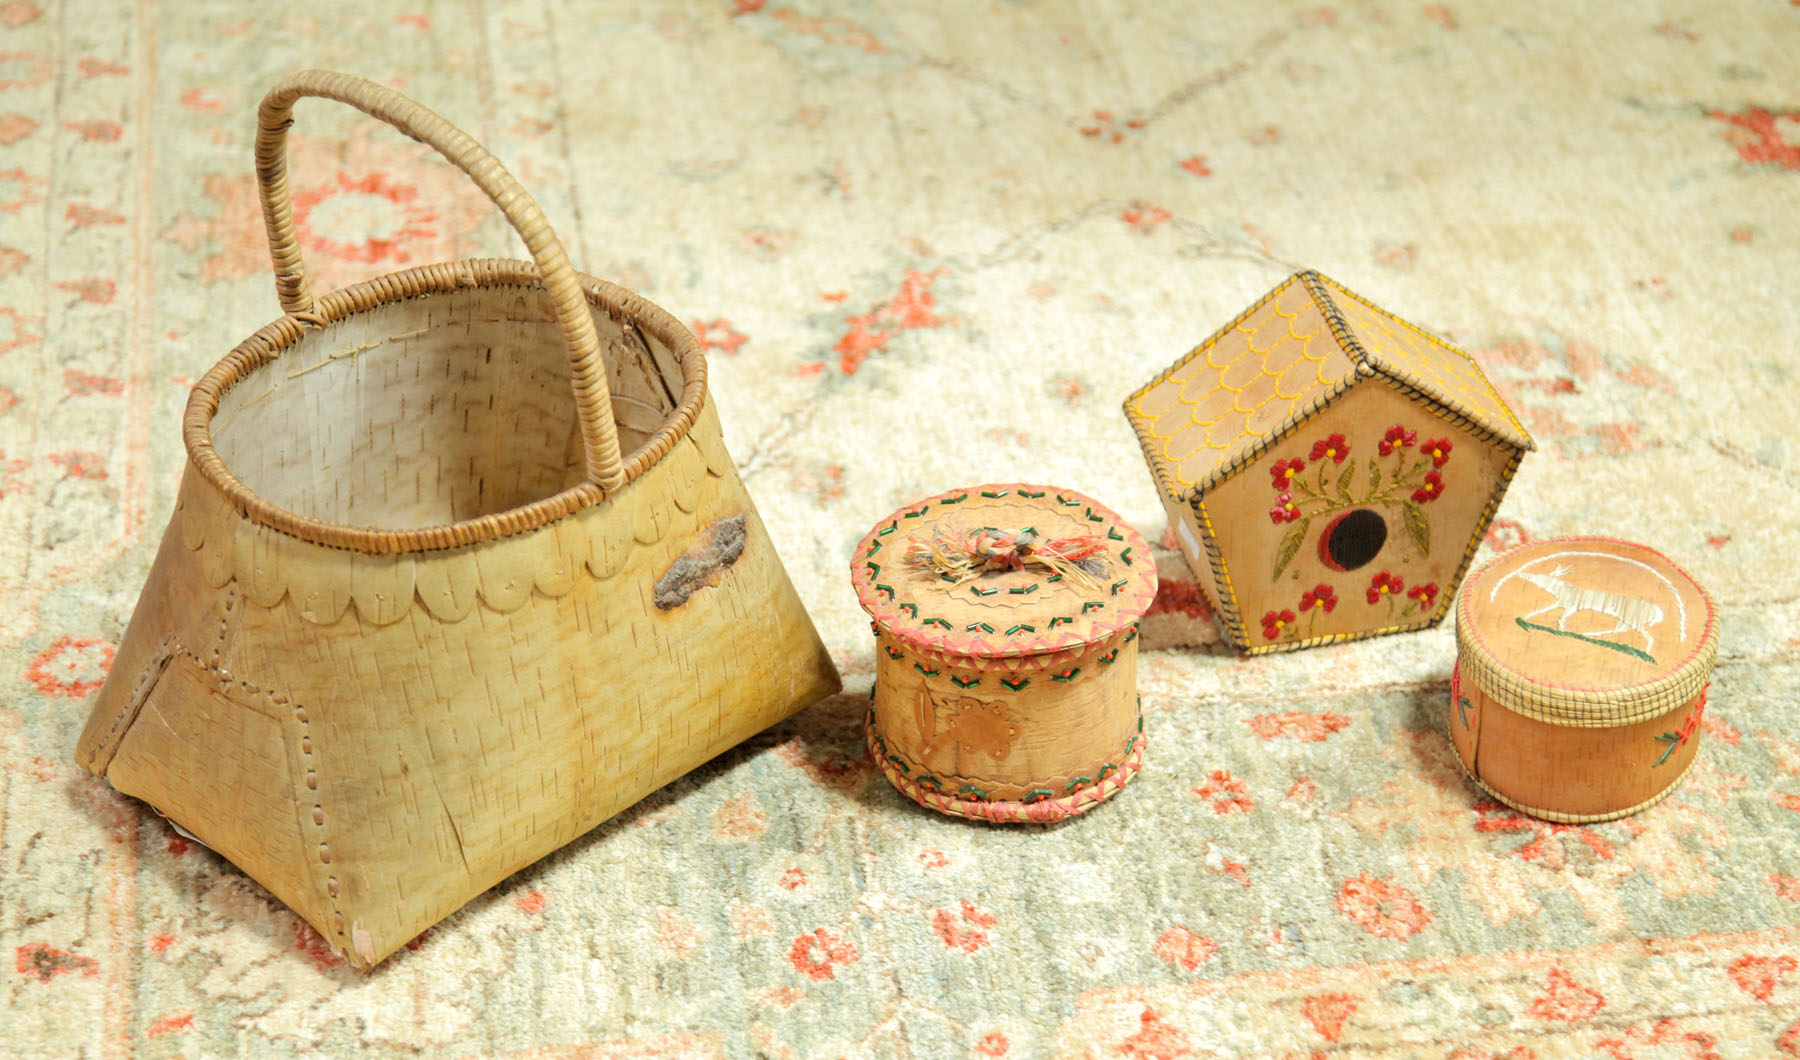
701 565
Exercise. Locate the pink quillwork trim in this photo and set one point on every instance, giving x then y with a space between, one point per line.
1044 811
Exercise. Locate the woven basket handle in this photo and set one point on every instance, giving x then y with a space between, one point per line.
593 402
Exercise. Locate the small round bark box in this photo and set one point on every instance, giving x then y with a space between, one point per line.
1006 650
1581 676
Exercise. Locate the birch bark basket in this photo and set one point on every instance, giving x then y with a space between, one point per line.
459 568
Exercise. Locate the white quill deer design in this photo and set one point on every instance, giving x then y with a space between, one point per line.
1631 613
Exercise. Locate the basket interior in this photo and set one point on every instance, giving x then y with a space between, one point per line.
435 409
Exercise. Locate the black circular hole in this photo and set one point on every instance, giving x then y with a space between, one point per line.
1352 540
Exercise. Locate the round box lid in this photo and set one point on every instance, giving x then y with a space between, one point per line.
1003 570
1588 631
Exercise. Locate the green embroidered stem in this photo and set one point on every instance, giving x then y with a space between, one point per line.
960 683
1613 644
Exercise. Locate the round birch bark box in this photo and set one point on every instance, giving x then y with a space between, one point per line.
1581 677
1006 634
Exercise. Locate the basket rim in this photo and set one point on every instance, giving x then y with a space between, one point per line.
272 340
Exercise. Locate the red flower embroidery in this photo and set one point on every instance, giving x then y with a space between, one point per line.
1432 490
1284 510
1335 447
1321 595
1397 437
1438 451
1385 584
1383 908
71 667
1426 595
968 932
1276 621
1226 793
819 955
1184 949
1284 471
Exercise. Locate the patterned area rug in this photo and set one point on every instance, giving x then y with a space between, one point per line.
930 245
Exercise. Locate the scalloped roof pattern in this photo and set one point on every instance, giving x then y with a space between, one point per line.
1400 350
1242 384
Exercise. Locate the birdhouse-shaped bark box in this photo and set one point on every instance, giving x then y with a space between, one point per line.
1328 468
